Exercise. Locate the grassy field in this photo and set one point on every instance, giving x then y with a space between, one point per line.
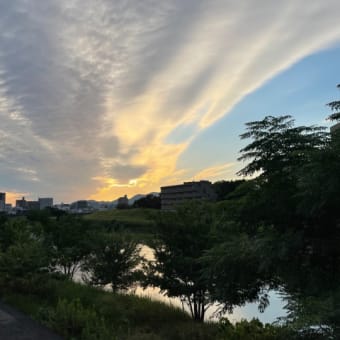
137 222
76 311
140 216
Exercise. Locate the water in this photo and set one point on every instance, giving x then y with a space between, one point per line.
249 311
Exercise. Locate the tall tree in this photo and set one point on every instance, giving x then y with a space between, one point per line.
278 147
235 268
292 211
278 153
182 238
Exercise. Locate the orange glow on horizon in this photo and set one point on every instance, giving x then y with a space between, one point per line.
11 197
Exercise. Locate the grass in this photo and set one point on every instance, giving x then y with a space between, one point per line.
140 216
125 316
138 223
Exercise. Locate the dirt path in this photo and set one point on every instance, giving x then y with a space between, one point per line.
14 325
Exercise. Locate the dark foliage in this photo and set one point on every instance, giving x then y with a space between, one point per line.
113 262
224 188
69 241
291 211
182 237
335 107
149 201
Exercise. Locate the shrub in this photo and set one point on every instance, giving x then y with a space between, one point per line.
73 321
254 330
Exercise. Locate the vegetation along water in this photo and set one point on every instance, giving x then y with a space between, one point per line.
279 230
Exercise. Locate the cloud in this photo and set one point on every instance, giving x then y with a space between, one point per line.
126 172
217 172
94 89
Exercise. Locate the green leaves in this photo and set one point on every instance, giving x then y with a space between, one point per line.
278 146
291 213
335 106
182 238
74 321
70 240
113 262
22 252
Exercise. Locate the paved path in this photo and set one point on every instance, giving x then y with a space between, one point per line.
16 326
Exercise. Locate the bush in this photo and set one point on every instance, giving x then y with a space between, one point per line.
72 320
254 330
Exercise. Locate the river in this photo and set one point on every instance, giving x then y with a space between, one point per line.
249 311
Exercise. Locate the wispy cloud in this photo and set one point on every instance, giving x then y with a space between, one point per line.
93 89
217 172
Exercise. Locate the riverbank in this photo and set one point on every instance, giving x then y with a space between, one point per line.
82 312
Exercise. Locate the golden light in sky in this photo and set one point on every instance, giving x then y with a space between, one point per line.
101 99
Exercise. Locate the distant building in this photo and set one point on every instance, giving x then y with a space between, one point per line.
63 206
27 205
80 206
33 205
22 204
123 202
46 202
173 195
2 201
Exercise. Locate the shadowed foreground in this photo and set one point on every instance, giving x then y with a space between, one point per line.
15 325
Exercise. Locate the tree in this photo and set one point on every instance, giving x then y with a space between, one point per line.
114 262
278 148
23 255
234 266
149 201
182 238
224 188
278 154
292 211
335 106
70 240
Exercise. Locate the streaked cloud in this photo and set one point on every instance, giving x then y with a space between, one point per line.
91 93
217 172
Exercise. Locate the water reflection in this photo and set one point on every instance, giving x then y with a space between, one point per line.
249 311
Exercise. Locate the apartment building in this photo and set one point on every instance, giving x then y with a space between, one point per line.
173 195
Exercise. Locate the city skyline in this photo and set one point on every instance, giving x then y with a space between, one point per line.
102 99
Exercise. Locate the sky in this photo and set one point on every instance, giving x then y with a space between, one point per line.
101 98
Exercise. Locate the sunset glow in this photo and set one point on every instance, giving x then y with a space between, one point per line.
102 99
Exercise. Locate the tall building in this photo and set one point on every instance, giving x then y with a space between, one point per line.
46 202
173 195
2 201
